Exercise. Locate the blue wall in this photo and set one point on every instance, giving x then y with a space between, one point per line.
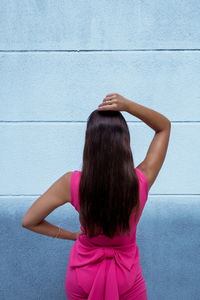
58 60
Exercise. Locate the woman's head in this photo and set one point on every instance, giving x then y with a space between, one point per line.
108 188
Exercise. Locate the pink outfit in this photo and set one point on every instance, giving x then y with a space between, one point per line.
101 268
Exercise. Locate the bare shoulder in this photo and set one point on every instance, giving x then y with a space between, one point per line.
144 170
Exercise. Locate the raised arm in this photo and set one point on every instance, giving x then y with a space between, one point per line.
157 150
156 153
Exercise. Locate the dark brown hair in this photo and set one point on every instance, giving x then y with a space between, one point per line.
109 187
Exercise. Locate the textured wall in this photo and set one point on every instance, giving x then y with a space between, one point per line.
58 60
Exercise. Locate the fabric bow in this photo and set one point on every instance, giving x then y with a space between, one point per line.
115 268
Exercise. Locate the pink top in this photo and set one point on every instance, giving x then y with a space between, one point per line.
110 265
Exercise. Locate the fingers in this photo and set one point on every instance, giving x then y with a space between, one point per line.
110 96
107 106
106 101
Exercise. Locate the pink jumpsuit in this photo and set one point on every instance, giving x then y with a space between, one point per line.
101 268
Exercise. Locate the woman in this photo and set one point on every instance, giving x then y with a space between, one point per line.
109 194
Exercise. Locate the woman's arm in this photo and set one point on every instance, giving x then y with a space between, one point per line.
46 228
57 194
156 153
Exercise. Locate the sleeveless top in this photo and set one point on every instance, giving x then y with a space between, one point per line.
106 267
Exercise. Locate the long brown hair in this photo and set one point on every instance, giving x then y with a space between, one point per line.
109 187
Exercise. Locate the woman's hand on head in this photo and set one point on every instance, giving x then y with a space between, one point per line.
117 102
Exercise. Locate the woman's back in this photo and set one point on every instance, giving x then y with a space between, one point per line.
143 193
100 259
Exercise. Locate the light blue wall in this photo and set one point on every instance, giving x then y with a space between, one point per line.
58 60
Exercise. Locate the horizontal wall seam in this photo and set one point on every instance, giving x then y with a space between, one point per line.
38 195
95 50
73 121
